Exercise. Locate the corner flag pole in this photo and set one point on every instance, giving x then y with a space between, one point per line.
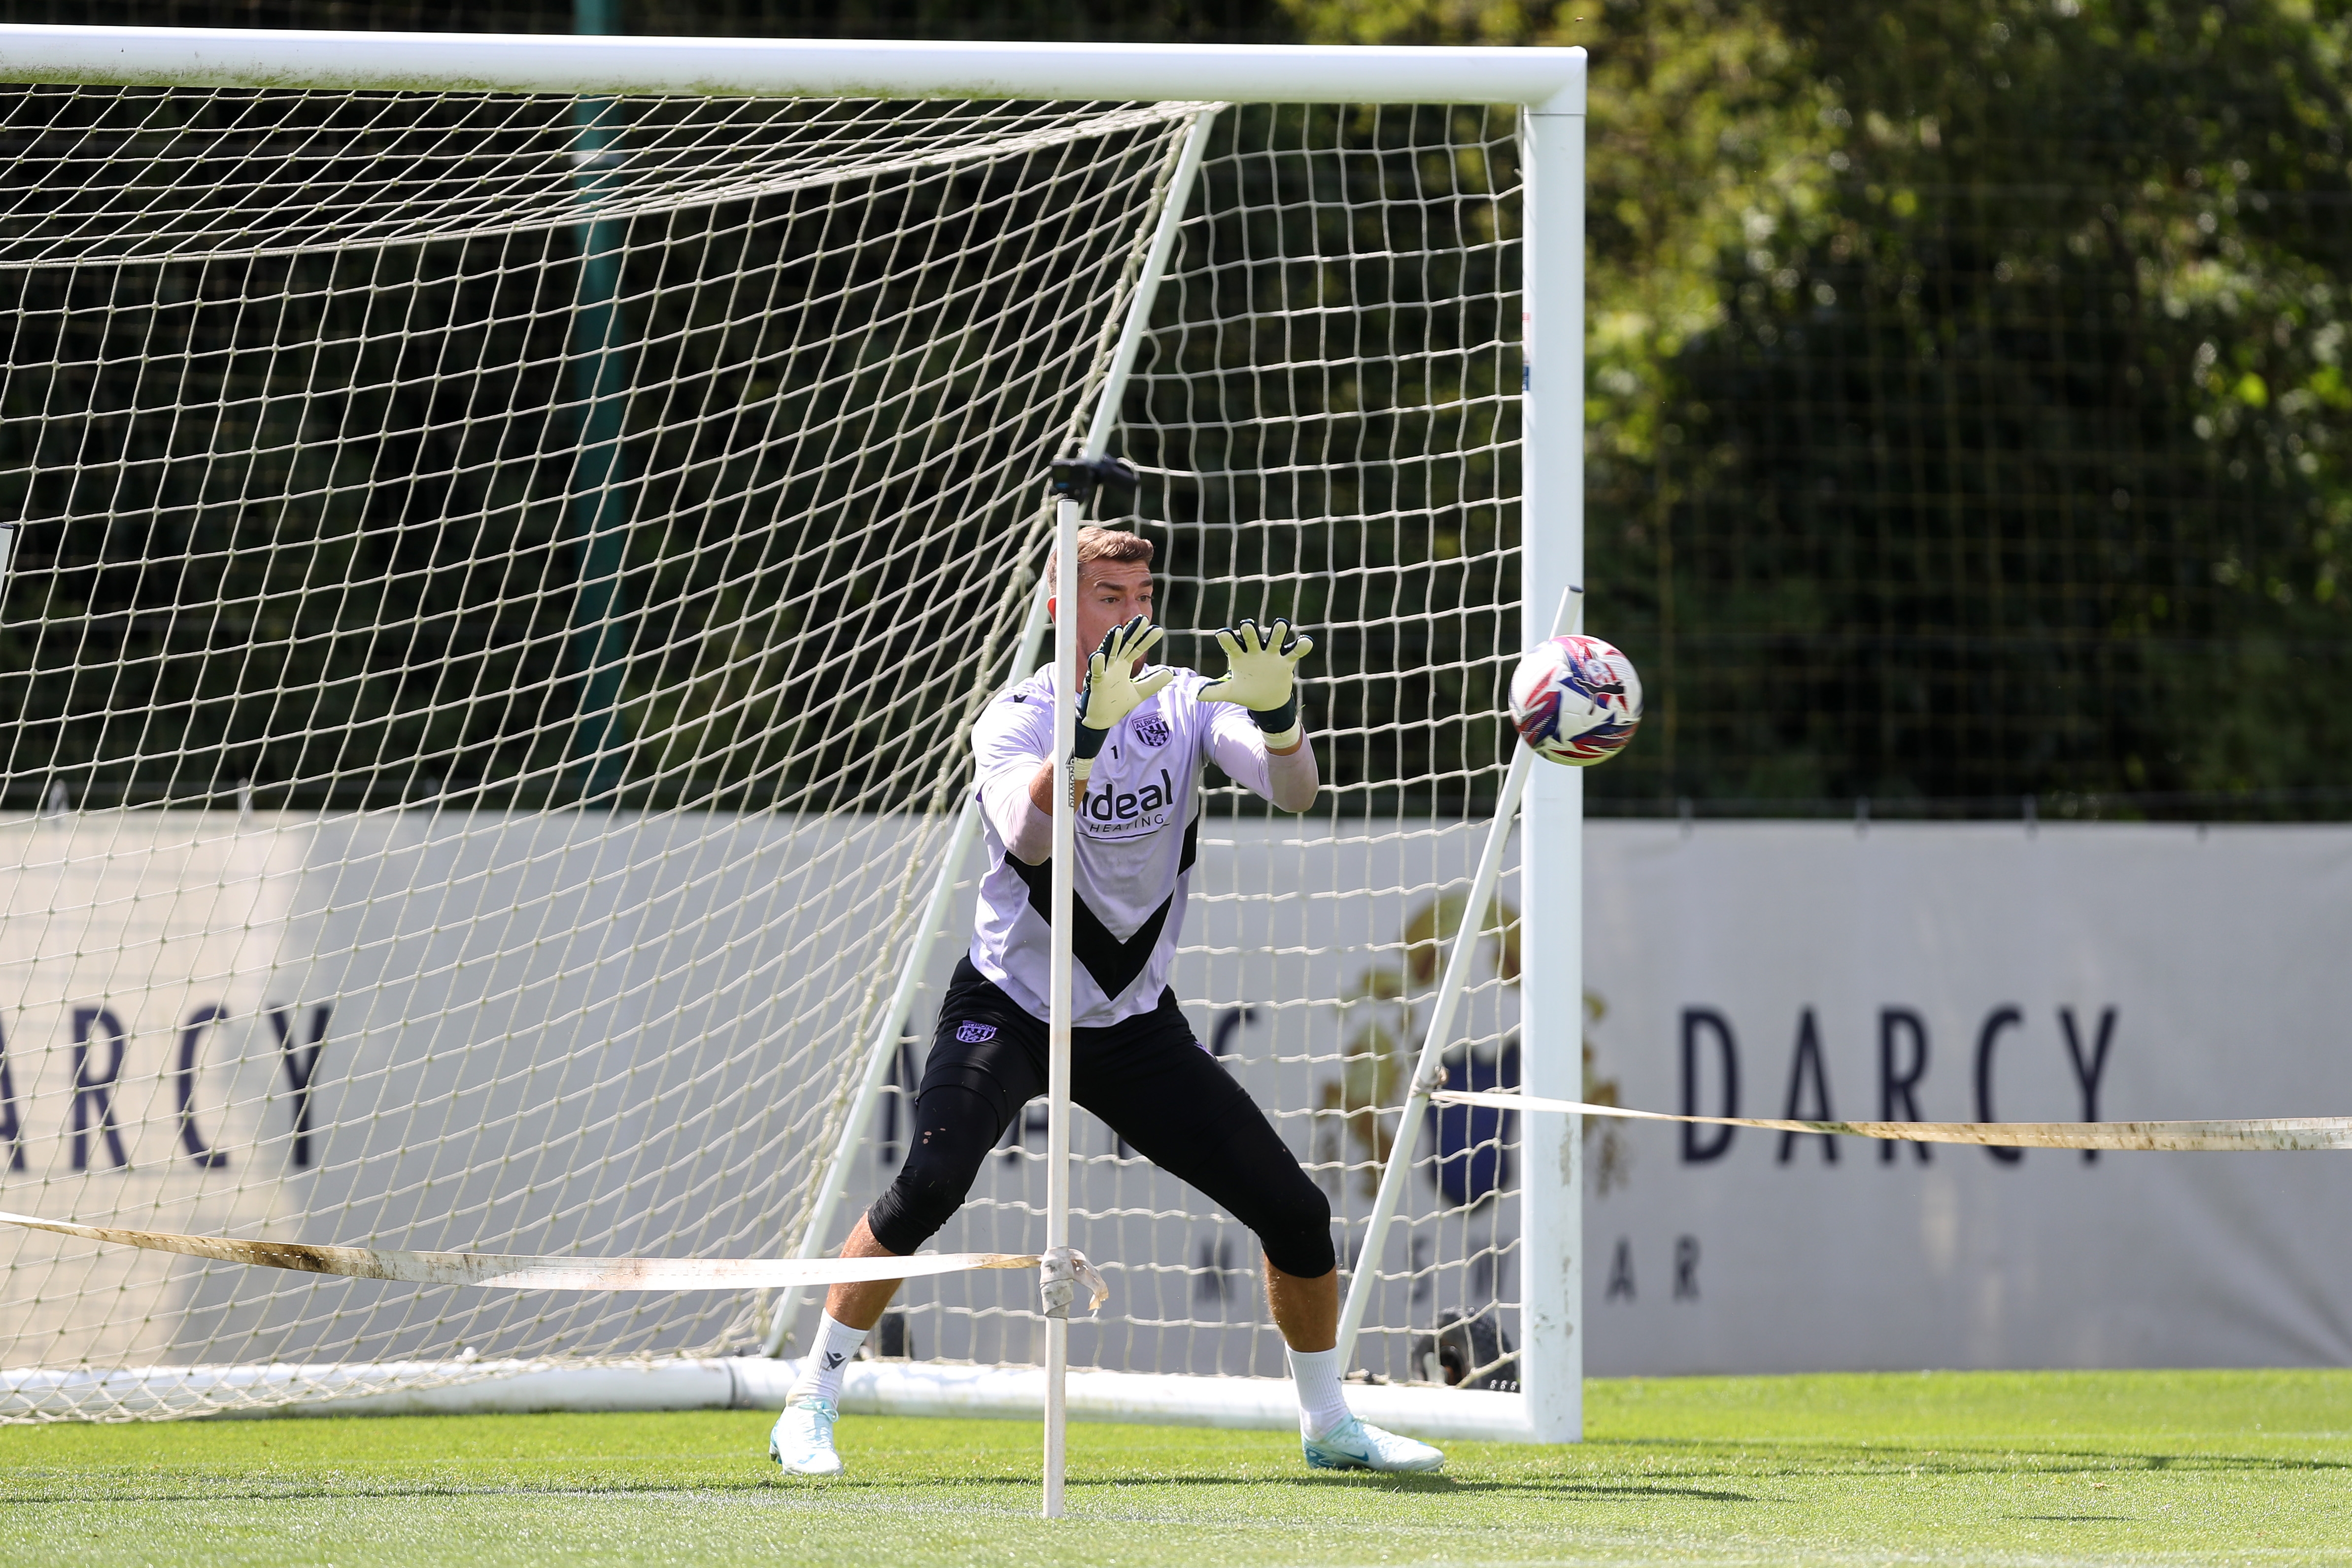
1429 1068
1058 1047
1074 483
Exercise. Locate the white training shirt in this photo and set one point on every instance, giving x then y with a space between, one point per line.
1136 839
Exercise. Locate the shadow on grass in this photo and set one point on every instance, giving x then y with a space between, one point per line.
1563 1487
1439 1485
1688 1470
1779 1456
247 1491
179 1490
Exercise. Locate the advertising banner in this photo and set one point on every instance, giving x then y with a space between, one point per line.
427 1030
1964 972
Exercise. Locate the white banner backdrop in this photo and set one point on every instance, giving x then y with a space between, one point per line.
1964 972
195 1014
443 1030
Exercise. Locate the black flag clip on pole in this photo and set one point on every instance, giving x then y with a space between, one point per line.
1077 478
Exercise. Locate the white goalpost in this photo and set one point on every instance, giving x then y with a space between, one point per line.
509 537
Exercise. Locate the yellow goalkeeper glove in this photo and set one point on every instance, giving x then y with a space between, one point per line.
1261 676
1111 693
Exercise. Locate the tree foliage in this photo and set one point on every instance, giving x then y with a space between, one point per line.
1967 380
1966 388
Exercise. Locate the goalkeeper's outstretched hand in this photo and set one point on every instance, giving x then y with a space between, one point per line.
1261 671
1112 692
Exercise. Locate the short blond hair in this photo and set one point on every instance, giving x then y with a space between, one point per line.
1097 543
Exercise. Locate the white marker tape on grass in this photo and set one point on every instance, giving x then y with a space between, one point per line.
516 1272
2284 1132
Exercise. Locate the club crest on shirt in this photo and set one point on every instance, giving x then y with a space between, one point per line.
975 1034
1152 730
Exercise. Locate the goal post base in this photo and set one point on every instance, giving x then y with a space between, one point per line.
1166 1399
734 1382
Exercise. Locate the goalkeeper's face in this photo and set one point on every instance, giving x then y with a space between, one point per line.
1110 594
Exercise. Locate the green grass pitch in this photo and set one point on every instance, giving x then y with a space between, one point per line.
1963 1468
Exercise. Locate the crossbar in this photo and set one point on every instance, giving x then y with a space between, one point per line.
1547 79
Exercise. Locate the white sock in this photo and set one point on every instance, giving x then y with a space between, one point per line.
1315 1376
820 1375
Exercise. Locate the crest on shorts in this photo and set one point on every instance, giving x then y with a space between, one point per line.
1152 730
975 1034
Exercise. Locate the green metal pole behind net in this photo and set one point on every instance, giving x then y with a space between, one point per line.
600 497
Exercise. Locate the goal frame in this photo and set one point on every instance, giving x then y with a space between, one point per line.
1546 85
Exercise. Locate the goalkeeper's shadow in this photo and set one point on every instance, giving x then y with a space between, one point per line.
1561 1486
1437 1484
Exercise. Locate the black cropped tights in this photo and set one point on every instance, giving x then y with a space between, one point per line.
1147 1077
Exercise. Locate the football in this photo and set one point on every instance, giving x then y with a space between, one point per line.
1576 699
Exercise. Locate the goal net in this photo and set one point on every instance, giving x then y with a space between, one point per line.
500 589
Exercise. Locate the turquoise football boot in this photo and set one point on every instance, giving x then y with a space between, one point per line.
802 1444
1354 1446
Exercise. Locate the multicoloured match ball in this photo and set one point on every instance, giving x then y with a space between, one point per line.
1576 699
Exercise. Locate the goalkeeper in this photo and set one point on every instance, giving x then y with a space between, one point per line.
1144 735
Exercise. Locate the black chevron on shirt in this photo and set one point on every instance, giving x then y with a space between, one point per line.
1113 963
